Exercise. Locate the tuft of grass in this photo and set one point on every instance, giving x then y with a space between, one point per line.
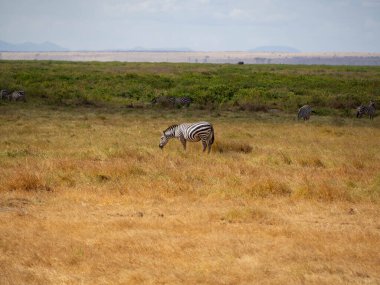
286 158
223 147
250 215
312 162
19 152
269 187
103 177
27 181
322 191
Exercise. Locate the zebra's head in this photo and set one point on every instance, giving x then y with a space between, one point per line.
166 135
163 141
372 104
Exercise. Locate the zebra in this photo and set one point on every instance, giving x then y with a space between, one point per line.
163 100
304 112
17 96
193 132
172 101
4 94
182 101
370 110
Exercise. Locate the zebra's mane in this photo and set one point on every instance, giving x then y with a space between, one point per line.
170 128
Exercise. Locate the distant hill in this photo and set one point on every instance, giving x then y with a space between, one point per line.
28 46
275 49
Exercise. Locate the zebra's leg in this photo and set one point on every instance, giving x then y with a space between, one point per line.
183 141
204 143
209 147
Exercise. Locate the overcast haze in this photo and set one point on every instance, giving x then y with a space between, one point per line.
202 25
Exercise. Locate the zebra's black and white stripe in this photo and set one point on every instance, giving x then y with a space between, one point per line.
193 132
18 96
182 101
4 94
304 112
162 100
366 110
172 101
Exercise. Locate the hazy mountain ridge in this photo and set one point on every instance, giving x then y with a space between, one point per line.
29 46
49 46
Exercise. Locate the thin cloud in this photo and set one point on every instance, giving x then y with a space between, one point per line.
371 3
315 25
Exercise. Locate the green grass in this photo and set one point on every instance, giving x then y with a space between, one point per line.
331 90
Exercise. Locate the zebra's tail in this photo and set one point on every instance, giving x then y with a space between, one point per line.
212 135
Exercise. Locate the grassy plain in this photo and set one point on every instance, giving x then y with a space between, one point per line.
87 197
331 90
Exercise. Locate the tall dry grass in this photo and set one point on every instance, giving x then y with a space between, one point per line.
88 197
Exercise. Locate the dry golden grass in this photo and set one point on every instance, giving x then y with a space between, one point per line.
87 197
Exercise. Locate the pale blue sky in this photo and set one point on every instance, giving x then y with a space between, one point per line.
204 25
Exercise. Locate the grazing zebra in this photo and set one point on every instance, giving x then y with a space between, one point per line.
181 101
304 112
4 94
17 96
370 110
172 101
163 100
194 132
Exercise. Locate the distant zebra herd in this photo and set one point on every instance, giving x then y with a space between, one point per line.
18 95
366 110
204 131
305 111
194 132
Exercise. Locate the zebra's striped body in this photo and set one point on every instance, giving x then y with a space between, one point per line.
182 101
193 132
17 96
162 100
4 94
366 110
172 101
304 112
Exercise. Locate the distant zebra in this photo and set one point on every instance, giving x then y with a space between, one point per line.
162 100
182 101
4 94
172 101
193 132
17 96
369 110
304 112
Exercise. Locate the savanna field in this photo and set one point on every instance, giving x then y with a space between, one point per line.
87 196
